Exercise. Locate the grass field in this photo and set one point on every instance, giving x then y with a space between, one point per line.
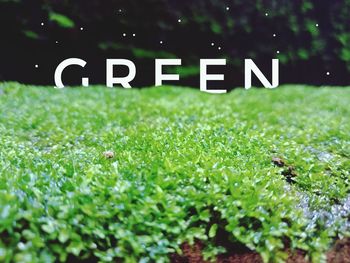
106 174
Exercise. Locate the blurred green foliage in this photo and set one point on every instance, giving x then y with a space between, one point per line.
312 36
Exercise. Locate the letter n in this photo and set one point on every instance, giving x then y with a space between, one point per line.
249 67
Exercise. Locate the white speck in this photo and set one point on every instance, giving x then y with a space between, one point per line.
124 34
42 24
36 66
134 35
227 8
56 42
266 14
278 52
317 25
219 48
328 73
81 29
119 10
212 44
161 42
179 20
274 35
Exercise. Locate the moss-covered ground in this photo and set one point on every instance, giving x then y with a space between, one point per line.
112 174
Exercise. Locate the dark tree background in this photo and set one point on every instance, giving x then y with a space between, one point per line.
310 37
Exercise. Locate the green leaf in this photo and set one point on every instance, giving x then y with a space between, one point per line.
62 20
213 230
30 34
63 236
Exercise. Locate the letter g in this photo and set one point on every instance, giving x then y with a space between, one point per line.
63 65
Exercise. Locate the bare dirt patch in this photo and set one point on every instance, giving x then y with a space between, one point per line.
340 253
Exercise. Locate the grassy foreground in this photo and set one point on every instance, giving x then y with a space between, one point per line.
264 169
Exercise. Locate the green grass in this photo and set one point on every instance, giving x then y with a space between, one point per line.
188 166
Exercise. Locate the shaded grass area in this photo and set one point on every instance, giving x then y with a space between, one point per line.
106 174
